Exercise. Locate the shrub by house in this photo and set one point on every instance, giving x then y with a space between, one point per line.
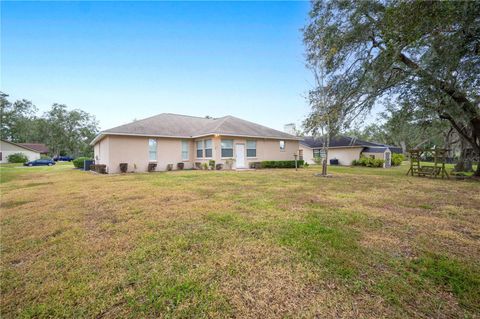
17 158
79 161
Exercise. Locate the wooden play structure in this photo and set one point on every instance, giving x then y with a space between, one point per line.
435 170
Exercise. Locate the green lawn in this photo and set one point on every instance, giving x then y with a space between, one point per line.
366 243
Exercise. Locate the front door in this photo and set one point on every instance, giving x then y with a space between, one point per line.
240 155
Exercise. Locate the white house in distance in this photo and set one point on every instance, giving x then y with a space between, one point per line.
7 148
345 149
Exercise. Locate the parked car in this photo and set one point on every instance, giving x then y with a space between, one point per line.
63 158
40 162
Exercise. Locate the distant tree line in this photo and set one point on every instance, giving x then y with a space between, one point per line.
65 132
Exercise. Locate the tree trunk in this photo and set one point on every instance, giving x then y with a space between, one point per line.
460 165
467 134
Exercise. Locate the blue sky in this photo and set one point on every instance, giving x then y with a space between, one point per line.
129 60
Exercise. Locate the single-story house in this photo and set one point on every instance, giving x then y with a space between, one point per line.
7 148
41 148
172 138
345 149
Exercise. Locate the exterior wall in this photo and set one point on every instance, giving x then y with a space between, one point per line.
307 154
169 151
113 150
101 151
267 149
345 155
127 149
8 149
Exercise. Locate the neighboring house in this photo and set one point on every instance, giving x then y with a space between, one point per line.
7 148
171 138
346 149
41 148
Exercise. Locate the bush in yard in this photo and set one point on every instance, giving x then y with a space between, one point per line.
123 167
151 167
368 162
79 161
211 163
229 163
378 162
397 159
101 168
281 164
17 158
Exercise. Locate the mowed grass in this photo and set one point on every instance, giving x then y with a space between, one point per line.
366 243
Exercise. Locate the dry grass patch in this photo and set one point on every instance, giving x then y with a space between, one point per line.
271 243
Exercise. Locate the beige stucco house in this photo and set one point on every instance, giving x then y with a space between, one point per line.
7 148
345 149
171 138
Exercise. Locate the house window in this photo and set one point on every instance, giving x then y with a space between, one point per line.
318 153
199 149
251 149
208 148
372 156
227 148
185 155
282 145
152 149
300 155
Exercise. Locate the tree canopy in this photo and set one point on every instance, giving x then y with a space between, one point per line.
425 53
64 131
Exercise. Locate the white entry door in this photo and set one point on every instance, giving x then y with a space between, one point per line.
240 155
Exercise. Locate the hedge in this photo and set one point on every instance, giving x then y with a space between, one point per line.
79 161
280 164
17 158
368 162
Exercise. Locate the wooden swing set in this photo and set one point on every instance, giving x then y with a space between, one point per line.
435 170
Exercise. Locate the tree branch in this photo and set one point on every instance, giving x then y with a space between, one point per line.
471 140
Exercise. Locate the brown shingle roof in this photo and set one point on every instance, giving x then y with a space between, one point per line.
41 148
175 125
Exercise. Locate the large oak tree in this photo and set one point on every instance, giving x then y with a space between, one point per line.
426 52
